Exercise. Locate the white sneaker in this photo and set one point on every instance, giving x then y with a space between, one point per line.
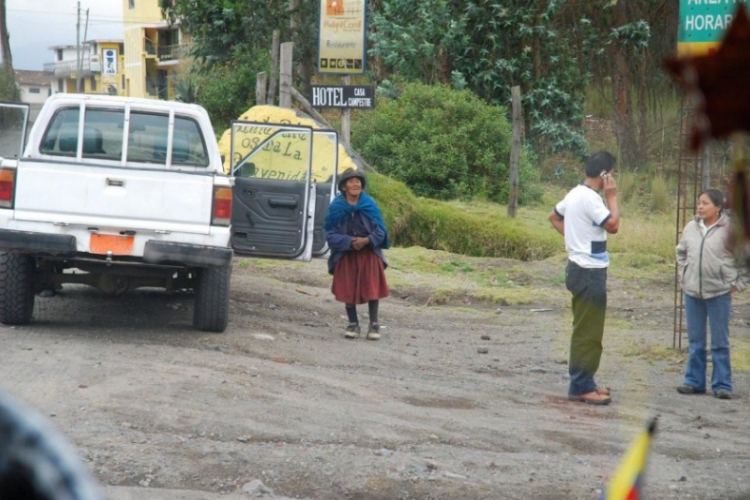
352 331
373 332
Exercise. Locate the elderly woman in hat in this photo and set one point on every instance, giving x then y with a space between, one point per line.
356 235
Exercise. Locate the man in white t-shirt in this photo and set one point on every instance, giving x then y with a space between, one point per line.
584 220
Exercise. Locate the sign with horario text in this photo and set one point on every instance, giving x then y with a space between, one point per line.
702 25
343 96
342 37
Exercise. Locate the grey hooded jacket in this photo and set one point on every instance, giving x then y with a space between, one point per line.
707 267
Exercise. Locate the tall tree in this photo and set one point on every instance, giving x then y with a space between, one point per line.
490 46
5 40
223 30
623 56
8 88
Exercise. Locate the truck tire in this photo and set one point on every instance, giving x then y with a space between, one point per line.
16 288
211 309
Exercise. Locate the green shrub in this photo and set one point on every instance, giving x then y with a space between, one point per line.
227 91
626 186
444 144
9 91
661 200
436 225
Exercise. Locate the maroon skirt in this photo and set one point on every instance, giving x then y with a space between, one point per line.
359 277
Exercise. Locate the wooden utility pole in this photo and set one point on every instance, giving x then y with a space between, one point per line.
515 151
78 48
287 60
346 118
83 47
271 96
260 88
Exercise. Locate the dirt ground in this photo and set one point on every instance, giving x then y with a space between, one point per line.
157 409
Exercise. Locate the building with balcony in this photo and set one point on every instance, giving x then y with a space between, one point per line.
154 49
100 67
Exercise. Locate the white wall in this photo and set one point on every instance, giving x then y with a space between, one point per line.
28 97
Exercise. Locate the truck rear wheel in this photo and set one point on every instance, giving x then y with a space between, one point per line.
16 288
211 309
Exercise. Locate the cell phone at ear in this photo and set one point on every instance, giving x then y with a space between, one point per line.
603 174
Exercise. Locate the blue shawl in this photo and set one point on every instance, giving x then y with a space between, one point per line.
339 210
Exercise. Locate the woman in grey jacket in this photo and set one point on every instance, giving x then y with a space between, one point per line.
709 275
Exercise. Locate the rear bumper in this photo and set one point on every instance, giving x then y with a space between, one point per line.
164 252
41 243
155 252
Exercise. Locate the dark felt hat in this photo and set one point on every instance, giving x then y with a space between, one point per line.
348 174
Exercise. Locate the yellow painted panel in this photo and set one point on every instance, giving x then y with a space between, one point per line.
252 136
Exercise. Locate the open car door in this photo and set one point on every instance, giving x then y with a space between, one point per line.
325 175
273 194
14 118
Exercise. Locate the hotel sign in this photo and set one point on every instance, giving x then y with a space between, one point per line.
343 96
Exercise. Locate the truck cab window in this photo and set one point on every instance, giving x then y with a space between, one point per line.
102 134
188 147
61 137
148 138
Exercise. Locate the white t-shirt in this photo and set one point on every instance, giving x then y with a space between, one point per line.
584 215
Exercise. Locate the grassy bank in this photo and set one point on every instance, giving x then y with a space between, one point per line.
481 229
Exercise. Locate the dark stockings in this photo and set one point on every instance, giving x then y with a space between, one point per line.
373 306
351 312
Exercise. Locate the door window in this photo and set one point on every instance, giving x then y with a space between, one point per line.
13 119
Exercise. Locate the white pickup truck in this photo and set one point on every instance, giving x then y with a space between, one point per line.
120 193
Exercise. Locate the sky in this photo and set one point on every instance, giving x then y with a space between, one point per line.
35 25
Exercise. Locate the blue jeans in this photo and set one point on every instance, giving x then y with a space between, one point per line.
589 289
718 311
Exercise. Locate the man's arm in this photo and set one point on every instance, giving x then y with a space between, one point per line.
610 193
557 222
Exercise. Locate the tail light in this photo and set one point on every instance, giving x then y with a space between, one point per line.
7 182
222 212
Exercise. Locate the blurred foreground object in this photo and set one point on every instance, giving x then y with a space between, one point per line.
717 84
627 483
36 463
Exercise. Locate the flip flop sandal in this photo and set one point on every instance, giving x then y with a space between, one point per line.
590 400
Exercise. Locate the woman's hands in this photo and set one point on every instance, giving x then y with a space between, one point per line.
359 242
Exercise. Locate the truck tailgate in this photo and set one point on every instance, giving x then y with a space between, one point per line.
125 198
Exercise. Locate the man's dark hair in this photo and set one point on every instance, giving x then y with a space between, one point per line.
598 161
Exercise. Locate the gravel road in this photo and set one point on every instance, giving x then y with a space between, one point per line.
282 405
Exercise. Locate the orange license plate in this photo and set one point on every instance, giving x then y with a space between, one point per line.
118 245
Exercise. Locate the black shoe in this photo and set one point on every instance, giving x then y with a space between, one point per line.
688 389
373 332
352 331
723 394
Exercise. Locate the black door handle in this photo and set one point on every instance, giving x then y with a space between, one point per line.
282 202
